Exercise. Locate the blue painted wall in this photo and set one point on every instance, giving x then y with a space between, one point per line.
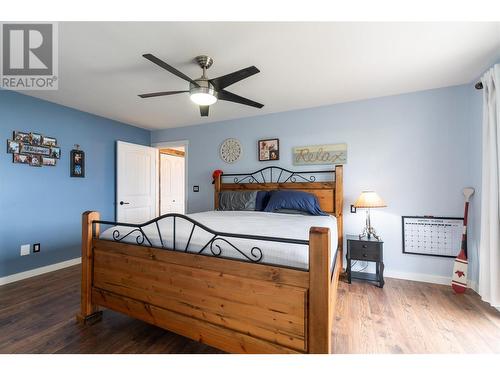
44 204
417 150
413 149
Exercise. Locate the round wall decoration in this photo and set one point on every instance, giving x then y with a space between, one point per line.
230 150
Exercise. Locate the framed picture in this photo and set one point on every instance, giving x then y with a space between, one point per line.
34 149
13 147
21 137
21 159
36 160
269 149
49 141
55 152
36 139
50 162
77 163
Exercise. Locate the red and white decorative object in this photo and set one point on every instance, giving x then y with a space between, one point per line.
459 278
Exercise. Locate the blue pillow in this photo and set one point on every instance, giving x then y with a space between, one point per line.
262 200
294 200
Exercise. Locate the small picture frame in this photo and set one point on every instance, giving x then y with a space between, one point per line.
36 160
77 163
13 147
55 152
35 139
49 141
49 162
21 137
21 159
269 149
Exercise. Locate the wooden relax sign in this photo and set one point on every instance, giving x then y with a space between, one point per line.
320 154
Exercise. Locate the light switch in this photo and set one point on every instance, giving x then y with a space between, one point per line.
25 250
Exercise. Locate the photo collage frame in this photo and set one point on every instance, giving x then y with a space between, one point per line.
33 149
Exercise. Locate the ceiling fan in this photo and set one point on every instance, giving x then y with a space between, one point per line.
204 91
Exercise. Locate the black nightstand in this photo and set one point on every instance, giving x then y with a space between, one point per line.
370 250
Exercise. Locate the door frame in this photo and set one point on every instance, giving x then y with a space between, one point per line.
185 143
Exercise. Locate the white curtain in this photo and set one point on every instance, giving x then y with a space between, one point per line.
489 253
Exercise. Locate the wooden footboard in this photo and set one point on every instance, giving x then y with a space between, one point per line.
238 307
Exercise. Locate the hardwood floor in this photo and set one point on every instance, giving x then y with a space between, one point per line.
413 317
37 315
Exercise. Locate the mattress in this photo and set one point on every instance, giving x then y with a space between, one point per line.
292 226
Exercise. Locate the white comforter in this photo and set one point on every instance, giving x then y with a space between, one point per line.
239 222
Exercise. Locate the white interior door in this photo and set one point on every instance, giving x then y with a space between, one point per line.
136 182
172 169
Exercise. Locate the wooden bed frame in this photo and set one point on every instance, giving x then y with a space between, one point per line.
236 306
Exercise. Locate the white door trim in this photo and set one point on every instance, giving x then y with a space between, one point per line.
185 143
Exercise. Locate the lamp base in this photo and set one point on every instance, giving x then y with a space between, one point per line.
368 230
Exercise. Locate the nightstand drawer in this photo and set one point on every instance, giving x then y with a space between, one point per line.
365 251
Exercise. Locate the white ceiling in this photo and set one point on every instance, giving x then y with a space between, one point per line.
302 65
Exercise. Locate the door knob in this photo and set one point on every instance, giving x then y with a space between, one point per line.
122 203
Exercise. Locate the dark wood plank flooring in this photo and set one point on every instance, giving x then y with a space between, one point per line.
37 315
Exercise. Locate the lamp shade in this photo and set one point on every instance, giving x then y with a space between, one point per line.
369 199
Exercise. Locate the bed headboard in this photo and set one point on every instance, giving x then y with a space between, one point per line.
330 192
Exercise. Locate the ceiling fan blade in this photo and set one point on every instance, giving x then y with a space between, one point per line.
171 69
227 80
204 110
230 97
161 93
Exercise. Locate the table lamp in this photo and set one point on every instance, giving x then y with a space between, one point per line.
369 199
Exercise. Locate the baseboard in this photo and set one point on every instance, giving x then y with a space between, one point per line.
425 278
39 271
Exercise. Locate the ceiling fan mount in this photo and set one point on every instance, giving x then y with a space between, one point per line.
204 61
204 91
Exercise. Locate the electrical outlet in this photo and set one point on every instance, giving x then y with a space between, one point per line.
353 209
196 188
36 247
25 250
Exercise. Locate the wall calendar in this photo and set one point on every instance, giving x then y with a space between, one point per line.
434 236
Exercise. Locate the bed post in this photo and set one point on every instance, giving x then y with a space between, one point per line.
217 186
319 322
339 206
88 311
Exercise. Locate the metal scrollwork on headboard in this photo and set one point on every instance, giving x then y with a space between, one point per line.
283 176
214 244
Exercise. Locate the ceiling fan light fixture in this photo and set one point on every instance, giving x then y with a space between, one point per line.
202 98
204 94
